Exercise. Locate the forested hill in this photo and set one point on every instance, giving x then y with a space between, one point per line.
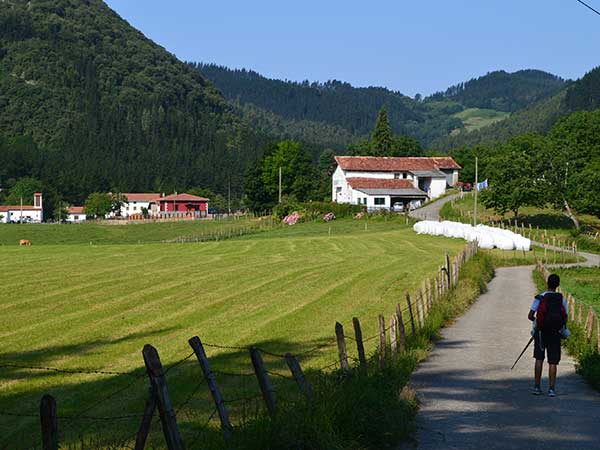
335 113
580 95
88 103
503 91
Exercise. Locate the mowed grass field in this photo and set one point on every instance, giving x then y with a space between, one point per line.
583 283
95 306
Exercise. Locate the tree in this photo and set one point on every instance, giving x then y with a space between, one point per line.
574 143
60 211
298 177
117 201
382 141
405 146
513 176
24 189
98 205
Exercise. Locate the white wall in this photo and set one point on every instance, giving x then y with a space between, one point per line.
14 215
74 218
437 187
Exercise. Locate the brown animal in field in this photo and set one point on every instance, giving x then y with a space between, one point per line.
25 242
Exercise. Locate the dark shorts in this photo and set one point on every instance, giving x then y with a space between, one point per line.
547 342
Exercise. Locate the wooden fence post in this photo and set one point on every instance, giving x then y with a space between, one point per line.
580 314
401 330
410 313
341 343
215 392
393 340
360 347
448 269
144 429
49 423
267 390
165 406
382 341
298 375
418 309
589 324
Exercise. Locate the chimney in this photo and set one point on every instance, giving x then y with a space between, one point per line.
37 200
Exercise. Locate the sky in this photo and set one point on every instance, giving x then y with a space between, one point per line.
413 47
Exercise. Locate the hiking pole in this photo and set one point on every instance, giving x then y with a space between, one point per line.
526 347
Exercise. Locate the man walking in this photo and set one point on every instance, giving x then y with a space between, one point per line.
549 312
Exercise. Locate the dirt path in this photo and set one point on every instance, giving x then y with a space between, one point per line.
431 211
471 398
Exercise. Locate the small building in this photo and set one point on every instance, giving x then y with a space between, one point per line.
76 214
183 205
23 213
138 201
392 182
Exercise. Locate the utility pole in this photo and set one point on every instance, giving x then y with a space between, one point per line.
476 189
229 197
279 184
21 216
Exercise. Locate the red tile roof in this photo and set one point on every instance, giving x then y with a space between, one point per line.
6 208
75 210
379 183
183 198
395 164
141 197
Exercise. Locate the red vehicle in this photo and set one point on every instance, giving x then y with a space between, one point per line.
464 187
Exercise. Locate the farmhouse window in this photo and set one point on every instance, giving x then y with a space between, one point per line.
365 201
396 176
338 189
405 175
380 200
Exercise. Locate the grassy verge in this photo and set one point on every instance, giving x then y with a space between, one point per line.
585 352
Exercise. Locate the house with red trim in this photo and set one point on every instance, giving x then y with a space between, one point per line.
392 182
183 205
23 213
135 202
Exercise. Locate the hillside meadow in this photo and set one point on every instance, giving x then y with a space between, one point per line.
94 307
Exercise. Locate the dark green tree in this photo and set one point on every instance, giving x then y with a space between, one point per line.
382 140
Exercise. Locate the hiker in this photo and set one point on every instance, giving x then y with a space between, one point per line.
548 313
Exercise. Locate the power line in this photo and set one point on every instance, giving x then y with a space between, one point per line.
589 7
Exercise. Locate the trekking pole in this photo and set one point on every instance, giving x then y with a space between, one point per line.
526 347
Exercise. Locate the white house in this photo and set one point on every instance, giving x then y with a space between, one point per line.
23 213
75 214
137 201
392 182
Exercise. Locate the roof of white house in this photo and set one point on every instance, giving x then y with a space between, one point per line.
5 208
141 196
396 164
381 186
75 210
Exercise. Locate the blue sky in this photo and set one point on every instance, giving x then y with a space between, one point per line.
409 46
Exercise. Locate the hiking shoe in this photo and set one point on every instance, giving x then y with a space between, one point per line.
537 391
551 393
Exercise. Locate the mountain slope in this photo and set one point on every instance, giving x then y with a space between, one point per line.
108 107
503 91
580 95
345 112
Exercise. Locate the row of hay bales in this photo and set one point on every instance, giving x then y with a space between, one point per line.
486 237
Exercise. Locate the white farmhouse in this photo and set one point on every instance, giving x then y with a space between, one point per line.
137 201
392 182
75 214
23 213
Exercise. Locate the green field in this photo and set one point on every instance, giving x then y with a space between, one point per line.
141 233
95 306
476 118
583 283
